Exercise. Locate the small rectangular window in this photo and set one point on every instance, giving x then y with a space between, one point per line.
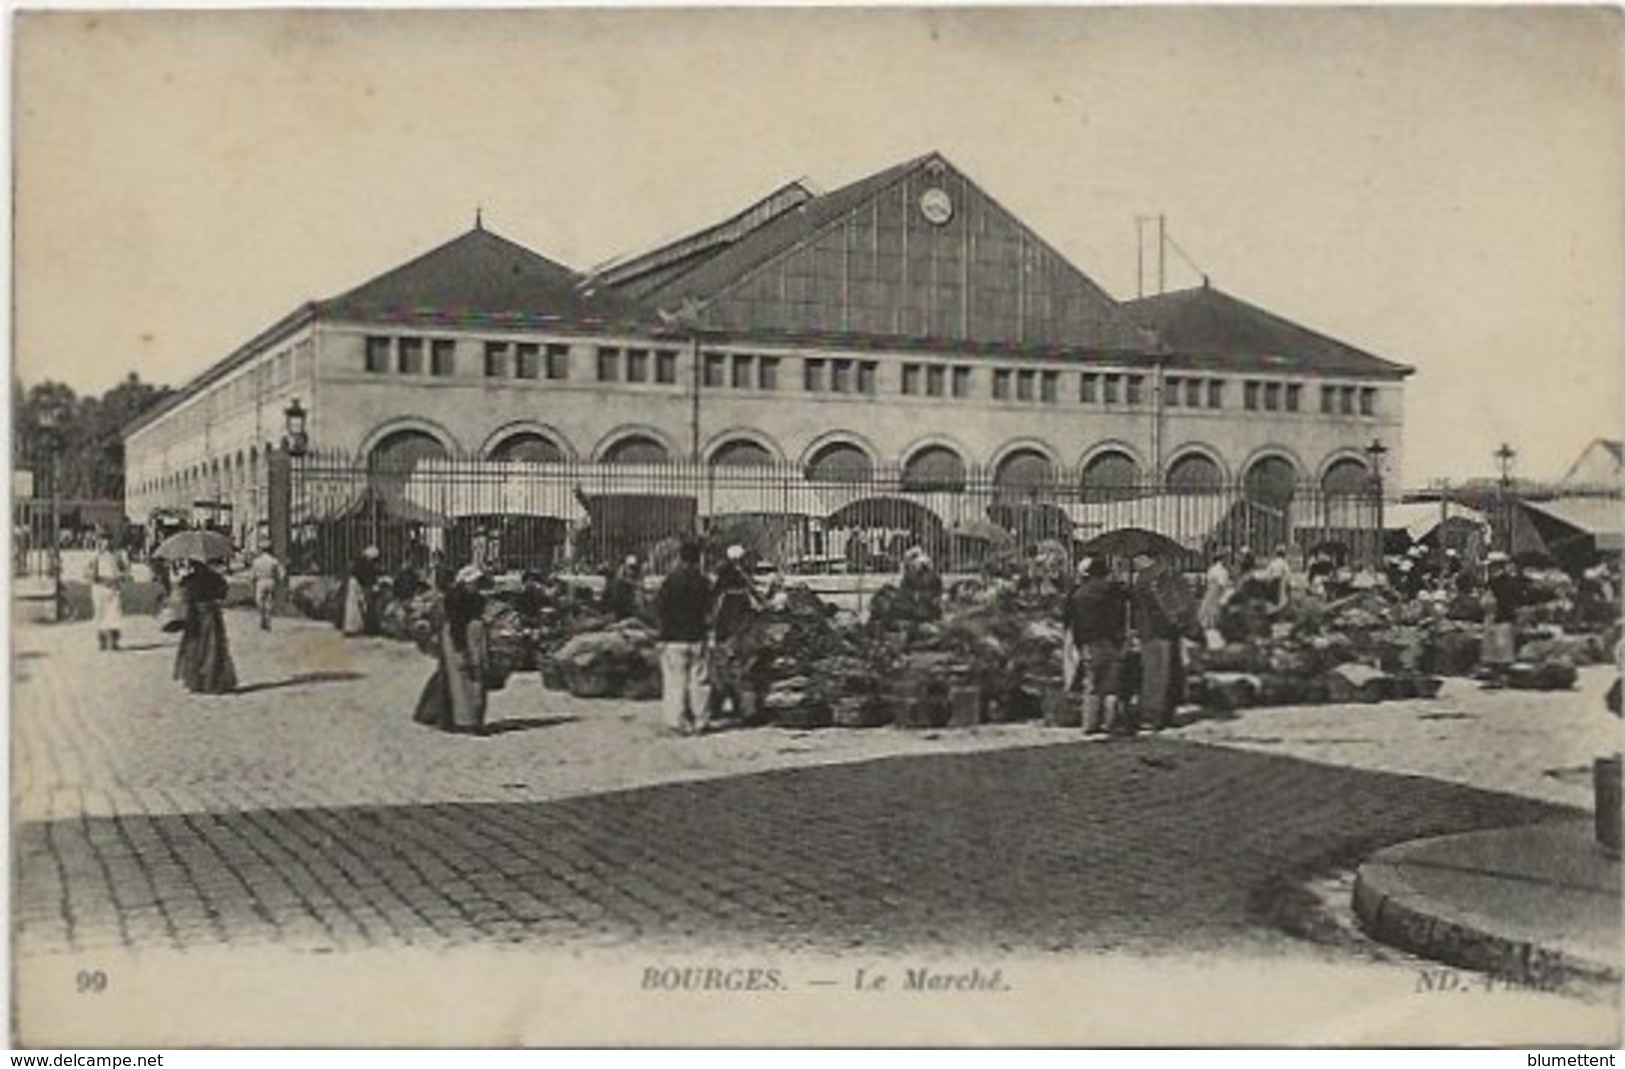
409 356
767 373
609 365
1111 385
962 381
496 360
716 370
1345 400
1136 389
1049 387
868 376
740 380
1249 396
1171 392
443 357
666 366
1294 396
558 362
840 379
637 365
1193 393
1001 385
1368 401
911 379
1328 399
378 351
1024 384
1089 387
935 376
1215 393
527 361
813 375
1272 397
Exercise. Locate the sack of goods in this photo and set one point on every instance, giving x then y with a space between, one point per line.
619 661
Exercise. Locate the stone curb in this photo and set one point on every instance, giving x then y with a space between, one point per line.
1394 912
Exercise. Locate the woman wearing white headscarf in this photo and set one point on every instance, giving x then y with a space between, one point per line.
454 697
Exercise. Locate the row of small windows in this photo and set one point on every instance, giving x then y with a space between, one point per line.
839 375
740 371
936 380
748 371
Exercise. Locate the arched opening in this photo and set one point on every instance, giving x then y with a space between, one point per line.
741 453
527 447
1110 476
402 450
1025 473
1272 480
1194 473
840 462
636 449
1346 477
935 467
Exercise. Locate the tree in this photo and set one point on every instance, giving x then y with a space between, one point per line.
90 433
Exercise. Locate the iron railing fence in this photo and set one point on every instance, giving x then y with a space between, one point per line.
583 517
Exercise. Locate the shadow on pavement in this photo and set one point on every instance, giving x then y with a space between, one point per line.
526 723
301 679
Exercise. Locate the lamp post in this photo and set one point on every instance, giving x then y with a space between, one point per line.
1504 457
51 419
1374 453
279 480
296 440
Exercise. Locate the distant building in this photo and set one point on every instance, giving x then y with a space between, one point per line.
906 320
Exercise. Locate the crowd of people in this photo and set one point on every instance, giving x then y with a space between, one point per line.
1128 620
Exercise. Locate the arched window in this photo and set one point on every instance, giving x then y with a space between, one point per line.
636 449
527 447
1111 476
936 467
1272 480
741 453
1194 473
1347 478
840 462
403 449
1024 473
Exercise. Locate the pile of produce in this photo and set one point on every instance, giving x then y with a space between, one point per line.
618 661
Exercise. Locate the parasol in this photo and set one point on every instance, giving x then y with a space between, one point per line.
1132 542
195 545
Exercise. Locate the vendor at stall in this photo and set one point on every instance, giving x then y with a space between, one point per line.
622 590
921 582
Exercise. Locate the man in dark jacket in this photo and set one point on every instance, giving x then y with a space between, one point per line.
1096 615
1164 613
682 607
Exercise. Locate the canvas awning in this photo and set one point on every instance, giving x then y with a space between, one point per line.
1601 519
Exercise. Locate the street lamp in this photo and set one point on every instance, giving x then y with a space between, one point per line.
1504 457
1374 454
293 421
51 419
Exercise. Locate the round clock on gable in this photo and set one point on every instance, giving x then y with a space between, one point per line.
936 206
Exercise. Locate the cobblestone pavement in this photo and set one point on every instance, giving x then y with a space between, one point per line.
309 812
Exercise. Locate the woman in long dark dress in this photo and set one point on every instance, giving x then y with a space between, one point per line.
454 697
203 661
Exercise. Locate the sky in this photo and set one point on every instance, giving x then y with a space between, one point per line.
1444 188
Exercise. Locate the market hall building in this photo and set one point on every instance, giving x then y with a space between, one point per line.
906 323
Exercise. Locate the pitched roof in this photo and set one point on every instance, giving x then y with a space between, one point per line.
478 276
1206 328
645 272
778 234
